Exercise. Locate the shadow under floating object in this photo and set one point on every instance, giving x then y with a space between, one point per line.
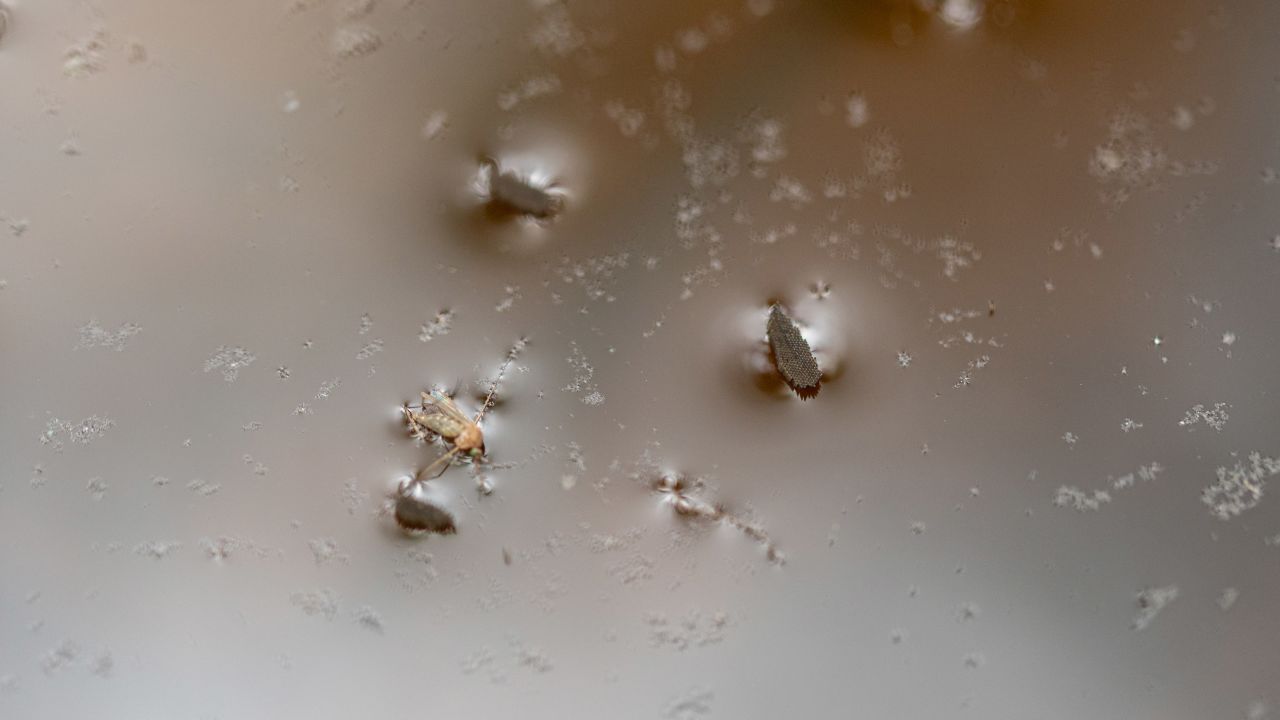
792 355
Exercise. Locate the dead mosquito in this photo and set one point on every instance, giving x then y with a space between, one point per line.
439 416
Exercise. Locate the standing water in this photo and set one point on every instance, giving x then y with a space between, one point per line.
1025 249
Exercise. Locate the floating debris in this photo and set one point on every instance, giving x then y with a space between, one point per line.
1215 418
1150 602
512 193
422 507
680 492
230 361
1240 487
791 352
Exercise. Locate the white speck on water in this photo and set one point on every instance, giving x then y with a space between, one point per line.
435 124
1215 418
83 432
695 629
203 488
857 110
1227 598
85 58
323 602
230 361
94 335
352 496
354 41
368 618
373 347
326 551
1151 602
60 657
511 293
694 703
102 664
528 89
97 487
1240 487
441 324
325 391
532 658
583 374
1182 118
1079 500
156 549
629 120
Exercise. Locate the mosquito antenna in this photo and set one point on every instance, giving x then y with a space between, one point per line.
497 379
488 401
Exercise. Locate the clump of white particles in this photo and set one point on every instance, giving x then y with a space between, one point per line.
1216 417
355 41
439 325
1240 487
94 335
230 361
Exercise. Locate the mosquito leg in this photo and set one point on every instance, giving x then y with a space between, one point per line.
442 460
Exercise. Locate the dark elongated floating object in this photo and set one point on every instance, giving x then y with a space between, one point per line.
791 352
512 193
422 509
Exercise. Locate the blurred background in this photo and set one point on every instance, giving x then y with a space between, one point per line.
1034 246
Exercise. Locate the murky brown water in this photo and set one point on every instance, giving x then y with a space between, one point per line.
1031 245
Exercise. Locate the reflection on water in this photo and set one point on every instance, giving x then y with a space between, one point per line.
1028 246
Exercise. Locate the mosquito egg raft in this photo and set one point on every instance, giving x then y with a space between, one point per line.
791 353
509 192
422 507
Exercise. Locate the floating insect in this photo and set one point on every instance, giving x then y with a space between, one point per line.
439 416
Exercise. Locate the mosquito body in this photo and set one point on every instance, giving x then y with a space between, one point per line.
438 415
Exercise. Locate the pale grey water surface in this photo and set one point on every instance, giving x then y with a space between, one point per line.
1034 246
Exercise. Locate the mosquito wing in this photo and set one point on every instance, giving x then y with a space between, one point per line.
440 415
445 405
431 418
